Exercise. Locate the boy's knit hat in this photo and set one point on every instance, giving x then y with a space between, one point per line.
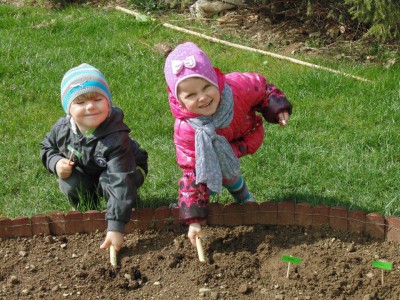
81 80
185 61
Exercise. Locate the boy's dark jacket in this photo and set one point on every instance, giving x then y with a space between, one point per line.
108 153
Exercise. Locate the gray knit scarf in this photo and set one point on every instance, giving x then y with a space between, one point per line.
214 155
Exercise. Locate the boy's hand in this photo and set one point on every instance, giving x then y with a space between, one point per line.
114 238
64 168
283 118
194 230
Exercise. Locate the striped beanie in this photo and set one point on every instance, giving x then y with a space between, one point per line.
81 80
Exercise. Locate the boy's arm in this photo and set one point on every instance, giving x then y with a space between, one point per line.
141 158
49 152
120 182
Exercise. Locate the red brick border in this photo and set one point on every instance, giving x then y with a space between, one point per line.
40 225
74 222
215 215
320 215
57 223
393 228
338 218
5 227
232 214
268 213
357 221
286 213
162 217
250 213
303 215
375 226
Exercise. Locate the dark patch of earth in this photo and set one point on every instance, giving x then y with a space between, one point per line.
288 31
243 262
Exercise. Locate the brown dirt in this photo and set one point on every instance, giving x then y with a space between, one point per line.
242 263
334 41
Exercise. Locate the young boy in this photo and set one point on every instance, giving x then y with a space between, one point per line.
90 150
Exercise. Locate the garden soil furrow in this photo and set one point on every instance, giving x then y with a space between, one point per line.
242 262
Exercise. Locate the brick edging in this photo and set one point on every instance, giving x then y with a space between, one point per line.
232 214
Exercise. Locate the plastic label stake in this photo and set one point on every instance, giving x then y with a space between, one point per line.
73 152
383 265
290 260
113 256
200 250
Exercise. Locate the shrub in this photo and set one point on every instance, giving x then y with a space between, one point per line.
382 17
159 5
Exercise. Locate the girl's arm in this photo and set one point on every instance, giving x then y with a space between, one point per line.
194 199
264 96
274 103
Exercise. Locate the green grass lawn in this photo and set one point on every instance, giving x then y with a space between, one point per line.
341 146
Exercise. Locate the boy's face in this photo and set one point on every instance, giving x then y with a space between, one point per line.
89 113
199 96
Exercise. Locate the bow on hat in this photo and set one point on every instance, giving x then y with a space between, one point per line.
188 62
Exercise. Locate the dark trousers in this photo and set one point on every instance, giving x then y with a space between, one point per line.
82 187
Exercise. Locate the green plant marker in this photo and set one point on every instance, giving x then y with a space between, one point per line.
70 148
290 259
383 265
73 152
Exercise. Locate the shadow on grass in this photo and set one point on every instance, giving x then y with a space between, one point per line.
311 199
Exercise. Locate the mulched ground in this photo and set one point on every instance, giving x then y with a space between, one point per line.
243 262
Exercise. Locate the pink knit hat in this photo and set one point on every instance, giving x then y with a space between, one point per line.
185 61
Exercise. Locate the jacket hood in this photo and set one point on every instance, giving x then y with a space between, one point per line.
113 123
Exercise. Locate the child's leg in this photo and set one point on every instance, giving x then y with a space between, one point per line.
77 187
238 189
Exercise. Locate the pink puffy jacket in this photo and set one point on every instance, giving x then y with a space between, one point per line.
251 94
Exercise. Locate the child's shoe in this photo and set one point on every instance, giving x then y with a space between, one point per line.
251 198
173 205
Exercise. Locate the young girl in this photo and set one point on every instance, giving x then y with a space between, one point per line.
216 123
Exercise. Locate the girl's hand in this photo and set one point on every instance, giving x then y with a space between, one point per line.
283 118
194 230
64 168
114 238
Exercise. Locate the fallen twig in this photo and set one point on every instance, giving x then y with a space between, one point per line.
265 52
216 40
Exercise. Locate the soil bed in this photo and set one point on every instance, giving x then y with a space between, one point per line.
242 263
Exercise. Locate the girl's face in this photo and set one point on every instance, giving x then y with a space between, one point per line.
89 112
199 96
